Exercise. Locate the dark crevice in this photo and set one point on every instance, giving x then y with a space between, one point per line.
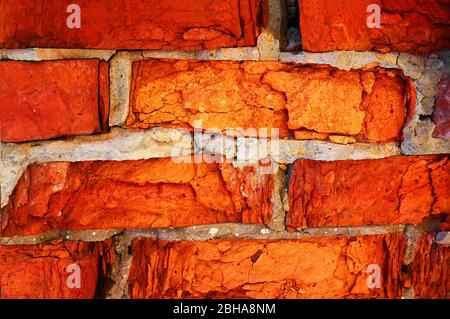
293 36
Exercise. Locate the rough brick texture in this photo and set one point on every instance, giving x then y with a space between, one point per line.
40 271
413 25
361 105
41 100
310 268
431 269
441 112
131 24
135 194
394 190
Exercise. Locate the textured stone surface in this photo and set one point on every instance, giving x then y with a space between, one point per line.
446 224
413 25
393 190
41 100
40 271
367 105
431 269
135 194
441 112
131 24
309 268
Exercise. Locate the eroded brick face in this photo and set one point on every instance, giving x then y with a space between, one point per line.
310 268
441 112
316 101
151 193
395 190
431 269
41 271
42 100
412 26
131 24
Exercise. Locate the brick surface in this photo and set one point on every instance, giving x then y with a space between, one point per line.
394 190
441 111
131 24
135 194
413 25
40 271
42 100
365 105
310 268
431 269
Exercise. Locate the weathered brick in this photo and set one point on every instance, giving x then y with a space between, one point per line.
131 24
445 225
367 105
135 194
332 267
42 100
395 190
40 271
441 112
431 269
413 25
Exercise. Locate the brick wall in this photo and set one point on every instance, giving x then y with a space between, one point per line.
186 152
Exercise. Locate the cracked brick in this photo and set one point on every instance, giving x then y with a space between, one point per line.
43 100
395 190
132 24
406 26
40 271
308 268
430 269
300 101
150 193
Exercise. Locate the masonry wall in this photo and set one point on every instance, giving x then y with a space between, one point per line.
185 152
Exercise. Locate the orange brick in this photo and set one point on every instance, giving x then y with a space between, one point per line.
131 24
135 194
41 271
332 267
42 100
367 105
412 26
395 190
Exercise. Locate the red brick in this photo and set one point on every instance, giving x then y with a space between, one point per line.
42 100
331 267
445 225
40 271
441 112
395 190
367 105
135 194
412 25
131 24
431 269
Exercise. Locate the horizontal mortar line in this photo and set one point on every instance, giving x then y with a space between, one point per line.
251 231
355 59
160 142
201 232
50 54
214 231
69 235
